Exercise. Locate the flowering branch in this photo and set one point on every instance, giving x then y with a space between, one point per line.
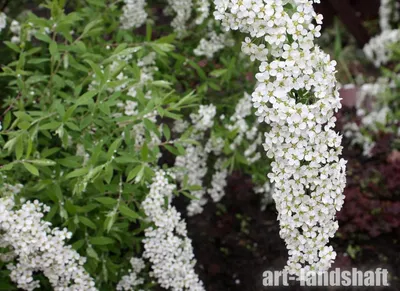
297 96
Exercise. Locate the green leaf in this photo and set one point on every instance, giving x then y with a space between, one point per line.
218 73
171 149
133 173
86 221
144 153
190 196
77 173
53 48
126 211
110 220
92 253
166 131
78 244
43 37
31 168
194 188
106 200
101 240
113 147
37 61
19 148
50 126
85 98
97 70
90 25
12 46
7 120
43 162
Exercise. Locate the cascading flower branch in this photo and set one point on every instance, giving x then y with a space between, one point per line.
297 96
36 247
166 244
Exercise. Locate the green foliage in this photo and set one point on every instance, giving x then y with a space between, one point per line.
64 137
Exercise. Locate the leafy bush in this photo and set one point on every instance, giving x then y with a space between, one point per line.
95 116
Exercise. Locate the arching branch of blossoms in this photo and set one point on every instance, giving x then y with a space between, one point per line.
297 96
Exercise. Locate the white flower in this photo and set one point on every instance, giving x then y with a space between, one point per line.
39 248
297 96
378 49
182 10
132 280
133 14
204 119
203 9
388 12
212 44
166 245
218 182
3 21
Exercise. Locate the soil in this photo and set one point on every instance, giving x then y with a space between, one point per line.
235 242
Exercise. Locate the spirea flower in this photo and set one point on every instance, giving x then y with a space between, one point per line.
39 248
373 114
218 181
202 8
378 49
213 43
166 244
194 163
266 190
133 14
297 96
3 21
182 10
132 281
388 12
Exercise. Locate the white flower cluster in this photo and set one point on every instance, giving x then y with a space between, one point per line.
266 190
204 119
213 43
194 163
297 96
166 244
352 131
182 10
195 160
15 29
202 8
81 152
218 182
38 248
238 123
3 21
372 112
214 145
388 12
131 281
133 14
378 48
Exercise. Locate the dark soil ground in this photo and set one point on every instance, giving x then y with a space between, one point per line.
233 251
235 242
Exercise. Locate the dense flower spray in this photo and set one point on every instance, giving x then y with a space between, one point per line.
132 281
297 96
36 247
166 244
133 14
378 49
388 12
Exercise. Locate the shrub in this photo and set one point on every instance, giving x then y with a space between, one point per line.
107 117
